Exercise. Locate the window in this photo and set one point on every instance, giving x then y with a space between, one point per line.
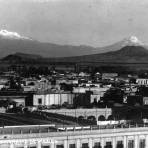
108 145
97 145
84 145
142 143
39 101
119 144
60 146
72 146
46 146
131 144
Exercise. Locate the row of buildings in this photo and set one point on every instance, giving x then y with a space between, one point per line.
77 90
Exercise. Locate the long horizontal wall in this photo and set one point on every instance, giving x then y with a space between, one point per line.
84 112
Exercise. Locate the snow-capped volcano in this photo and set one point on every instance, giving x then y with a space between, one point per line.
132 41
11 35
12 42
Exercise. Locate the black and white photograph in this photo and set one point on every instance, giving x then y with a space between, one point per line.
73 73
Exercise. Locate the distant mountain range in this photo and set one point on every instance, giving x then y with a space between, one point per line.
127 54
12 42
17 49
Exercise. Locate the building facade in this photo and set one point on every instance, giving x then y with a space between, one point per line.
142 81
92 138
84 112
53 98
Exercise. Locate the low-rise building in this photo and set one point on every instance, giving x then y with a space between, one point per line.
145 100
141 81
109 75
52 98
20 98
95 97
95 90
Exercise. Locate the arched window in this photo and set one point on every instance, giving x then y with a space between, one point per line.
80 118
101 118
110 117
92 118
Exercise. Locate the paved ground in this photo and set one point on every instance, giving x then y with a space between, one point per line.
33 119
16 119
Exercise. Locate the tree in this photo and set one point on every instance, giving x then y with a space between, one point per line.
114 95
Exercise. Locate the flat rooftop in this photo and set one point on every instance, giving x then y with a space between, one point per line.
51 128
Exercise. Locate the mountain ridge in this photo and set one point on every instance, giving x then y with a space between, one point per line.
10 45
127 54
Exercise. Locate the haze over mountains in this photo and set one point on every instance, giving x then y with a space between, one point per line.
16 47
12 42
127 54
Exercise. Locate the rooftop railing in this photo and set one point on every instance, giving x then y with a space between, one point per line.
34 129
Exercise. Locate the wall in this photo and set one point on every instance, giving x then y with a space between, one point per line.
84 112
50 99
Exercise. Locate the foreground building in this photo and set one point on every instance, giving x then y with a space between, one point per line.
76 137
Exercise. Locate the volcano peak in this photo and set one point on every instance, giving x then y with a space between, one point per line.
132 41
11 35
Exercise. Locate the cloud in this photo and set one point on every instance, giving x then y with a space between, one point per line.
10 34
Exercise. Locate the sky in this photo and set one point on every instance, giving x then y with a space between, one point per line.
76 22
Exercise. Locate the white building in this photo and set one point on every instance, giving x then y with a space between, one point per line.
109 75
78 137
140 81
57 98
145 100
95 90
95 97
